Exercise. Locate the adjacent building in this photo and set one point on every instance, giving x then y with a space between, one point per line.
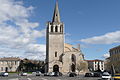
95 65
9 64
60 57
115 53
115 58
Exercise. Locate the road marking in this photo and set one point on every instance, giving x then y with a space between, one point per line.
59 79
29 79
44 79
14 79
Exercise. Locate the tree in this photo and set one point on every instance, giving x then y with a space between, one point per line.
82 66
30 65
10 65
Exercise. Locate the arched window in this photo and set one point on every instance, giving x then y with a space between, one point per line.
73 58
56 29
51 28
55 54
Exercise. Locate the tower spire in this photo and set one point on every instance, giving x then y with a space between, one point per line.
56 16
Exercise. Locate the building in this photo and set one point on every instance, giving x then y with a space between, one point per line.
115 58
9 64
115 53
60 56
95 65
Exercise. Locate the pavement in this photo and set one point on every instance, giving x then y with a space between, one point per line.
32 77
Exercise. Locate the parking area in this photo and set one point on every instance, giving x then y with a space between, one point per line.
32 77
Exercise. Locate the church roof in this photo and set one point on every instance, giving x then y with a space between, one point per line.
69 47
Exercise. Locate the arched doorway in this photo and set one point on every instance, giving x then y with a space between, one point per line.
6 69
73 67
55 68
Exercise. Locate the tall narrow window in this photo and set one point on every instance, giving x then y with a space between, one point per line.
55 54
51 28
56 30
73 58
15 62
60 28
1 68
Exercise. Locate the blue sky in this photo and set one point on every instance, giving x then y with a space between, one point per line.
95 24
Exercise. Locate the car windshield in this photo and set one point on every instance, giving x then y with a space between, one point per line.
106 75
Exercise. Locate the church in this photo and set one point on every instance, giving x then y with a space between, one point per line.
60 57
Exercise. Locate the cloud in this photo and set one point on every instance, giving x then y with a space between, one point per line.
108 38
18 35
106 55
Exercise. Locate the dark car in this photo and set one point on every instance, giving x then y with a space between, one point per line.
88 74
57 74
97 74
72 74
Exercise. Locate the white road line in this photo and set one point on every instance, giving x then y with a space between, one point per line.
59 79
29 79
14 79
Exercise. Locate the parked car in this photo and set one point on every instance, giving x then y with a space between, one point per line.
72 74
106 76
89 74
97 74
23 74
51 73
38 73
34 73
46 74
4 74
116 77
57 74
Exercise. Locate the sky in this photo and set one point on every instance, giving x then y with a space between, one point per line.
94 24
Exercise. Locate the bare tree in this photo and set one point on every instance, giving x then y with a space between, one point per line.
82 66
10 64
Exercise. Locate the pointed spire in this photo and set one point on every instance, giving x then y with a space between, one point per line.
56 16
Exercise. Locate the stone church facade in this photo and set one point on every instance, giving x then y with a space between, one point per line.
60 56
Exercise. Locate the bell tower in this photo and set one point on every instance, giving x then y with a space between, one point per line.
54 42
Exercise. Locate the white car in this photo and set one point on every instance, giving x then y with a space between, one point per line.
106 75
51 73
38 73
4 74
23 74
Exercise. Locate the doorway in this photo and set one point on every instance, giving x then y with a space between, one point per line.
73 67
55 68
6 69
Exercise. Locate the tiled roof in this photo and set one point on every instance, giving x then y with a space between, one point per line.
93 60
10 59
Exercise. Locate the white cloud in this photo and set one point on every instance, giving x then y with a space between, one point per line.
109 38
106 55
18 35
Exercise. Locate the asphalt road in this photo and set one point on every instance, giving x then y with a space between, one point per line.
31 77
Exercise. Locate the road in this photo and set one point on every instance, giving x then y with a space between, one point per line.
31 77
